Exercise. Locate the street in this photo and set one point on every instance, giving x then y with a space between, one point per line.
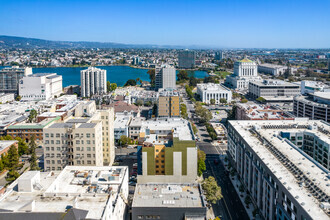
230 206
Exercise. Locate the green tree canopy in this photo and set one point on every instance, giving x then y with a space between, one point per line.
33 114
183 75
130 82
108 86
212 190
123 140
33 158
212 101
113 87
152 77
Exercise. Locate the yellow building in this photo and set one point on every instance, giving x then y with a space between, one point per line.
169 106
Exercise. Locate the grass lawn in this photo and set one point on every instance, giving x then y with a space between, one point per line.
222 74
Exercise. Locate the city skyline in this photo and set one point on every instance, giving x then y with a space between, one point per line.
207 24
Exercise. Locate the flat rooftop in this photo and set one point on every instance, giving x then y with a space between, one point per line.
270 130
88 188
6 144
168 195
212 87
268 112
180 127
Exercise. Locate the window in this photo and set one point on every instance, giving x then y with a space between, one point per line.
58 142
88 135
88 149
46 135
77 141
58 135
88 142
140 217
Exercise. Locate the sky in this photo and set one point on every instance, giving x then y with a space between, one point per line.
207 23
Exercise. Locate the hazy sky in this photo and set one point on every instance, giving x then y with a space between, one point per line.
221 23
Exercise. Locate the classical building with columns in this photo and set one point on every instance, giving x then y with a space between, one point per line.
208 91
245 71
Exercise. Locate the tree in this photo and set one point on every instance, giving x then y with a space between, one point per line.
193 81
183 75
201 156
113 87
108 86
212 101
154 109
244 100
23 147
261 99
123 140
13 157
152 77
212 190
139 102
189 92
232 113
138 80
211 79
2 166
148 103
12 175
183 111
130 82
223 100
33 114
33 158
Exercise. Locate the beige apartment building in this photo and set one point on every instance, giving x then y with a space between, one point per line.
169 104
86 138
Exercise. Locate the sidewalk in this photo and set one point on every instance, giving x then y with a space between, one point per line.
236 183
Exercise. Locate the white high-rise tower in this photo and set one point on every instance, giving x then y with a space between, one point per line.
93 81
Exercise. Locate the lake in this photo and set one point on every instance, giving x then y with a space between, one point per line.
115 74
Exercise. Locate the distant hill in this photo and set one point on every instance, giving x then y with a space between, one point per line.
34 43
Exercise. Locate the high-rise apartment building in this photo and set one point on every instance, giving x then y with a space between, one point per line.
168 104
93 81
165 77
245 71
40 86
219 55
85 139
283 166
187 59
10 77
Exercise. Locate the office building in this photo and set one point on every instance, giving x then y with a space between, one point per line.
7 97
165 77
187 59
169 152
77 192
6 145
308 87
245 71
168 104
40 86
279 175
260 112
168 201
274 90
314 106
209 91
93 81
10 77
273 69
219 55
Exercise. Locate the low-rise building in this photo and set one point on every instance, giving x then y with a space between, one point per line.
121 125
40 86
308 87
260 112
168 201
273 69
135 127
26 130
77 192
274 90
7 97
314 106
169 152
124 109
209 91
6 145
